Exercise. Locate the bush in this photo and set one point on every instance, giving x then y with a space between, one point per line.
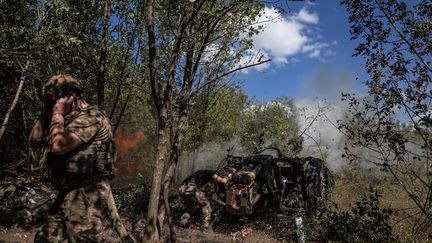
366 222
132 200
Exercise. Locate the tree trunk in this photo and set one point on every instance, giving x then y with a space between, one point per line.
15 100
152 233
182 125
174 157
121 113
101 74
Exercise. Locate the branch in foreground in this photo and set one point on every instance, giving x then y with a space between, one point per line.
226 74
410 45
15 101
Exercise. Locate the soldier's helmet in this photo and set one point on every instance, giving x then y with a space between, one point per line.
59 86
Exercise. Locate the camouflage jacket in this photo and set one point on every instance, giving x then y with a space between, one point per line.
94 129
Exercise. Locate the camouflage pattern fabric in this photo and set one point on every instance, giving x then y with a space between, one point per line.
51 88
93 128
192 196
85 196
76 216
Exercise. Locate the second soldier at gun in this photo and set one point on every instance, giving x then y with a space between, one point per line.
191 191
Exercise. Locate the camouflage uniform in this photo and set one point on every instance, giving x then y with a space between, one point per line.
191 194
85 195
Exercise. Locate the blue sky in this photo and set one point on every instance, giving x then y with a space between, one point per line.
312 62
311 54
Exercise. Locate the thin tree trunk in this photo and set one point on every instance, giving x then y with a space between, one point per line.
182 125
150 234
174 157
163 106
101 74
116 100
151 231
15 100
194 159
121 113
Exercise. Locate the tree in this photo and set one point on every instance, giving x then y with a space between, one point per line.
395 39
215 116
190 46
270 124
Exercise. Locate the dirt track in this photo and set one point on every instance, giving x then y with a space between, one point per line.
184 235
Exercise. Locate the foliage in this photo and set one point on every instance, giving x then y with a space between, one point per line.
395 40
270 124
132 200
215 116
366 222
16 36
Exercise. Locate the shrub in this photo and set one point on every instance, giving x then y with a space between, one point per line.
132 200
366 222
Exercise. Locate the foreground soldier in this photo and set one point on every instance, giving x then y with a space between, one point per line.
79 153
191 192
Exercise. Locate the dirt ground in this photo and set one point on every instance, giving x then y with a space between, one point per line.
244 235
184 235
16 235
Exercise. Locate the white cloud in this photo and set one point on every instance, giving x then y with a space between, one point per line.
294 60
286 36
314 53
305 16
253 56
281 39
314 46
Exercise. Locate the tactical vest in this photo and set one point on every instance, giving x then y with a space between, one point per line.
94 159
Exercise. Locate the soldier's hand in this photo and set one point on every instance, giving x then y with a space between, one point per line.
232 170
64 105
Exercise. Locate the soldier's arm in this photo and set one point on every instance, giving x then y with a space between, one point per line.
36 135
36 138
222 180
61 141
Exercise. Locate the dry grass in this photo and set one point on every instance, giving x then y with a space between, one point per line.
350 187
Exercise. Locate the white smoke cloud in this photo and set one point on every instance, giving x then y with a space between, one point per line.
322 139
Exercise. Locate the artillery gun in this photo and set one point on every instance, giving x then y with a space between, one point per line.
270 176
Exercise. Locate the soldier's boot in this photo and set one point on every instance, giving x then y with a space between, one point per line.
206 224
207 210
185 219
128 239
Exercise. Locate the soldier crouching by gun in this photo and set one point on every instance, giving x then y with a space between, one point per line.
192 194
79 154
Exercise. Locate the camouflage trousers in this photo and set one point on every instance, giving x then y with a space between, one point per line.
76 215
192 196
